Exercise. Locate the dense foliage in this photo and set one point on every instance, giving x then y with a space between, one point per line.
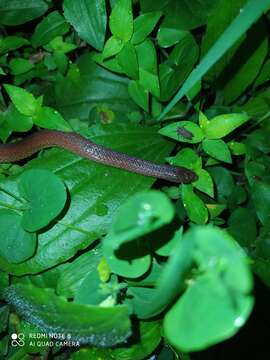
100 263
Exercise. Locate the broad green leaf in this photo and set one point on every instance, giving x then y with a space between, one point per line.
96 191
194 206
51 26
17 245
58 45
254 171
222 125
72 275
127 59
237 148
242 226
141 214
144 25
91 291
184 131
187 158
215 209
261 199
89 19
147 59
20 66
249 14
14 12
110 64
121 20
17 121
9 43
176 68
150 336
46 195
223 180
23 100
138 94
258 139
94 325
170 33
149 81
204 182
217 301
49 118
95 86
217 149
112 47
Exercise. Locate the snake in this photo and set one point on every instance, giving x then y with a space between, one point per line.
79 145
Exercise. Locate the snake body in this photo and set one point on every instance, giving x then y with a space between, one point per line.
81 146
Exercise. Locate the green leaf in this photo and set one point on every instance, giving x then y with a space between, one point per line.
58 45
184 131
96 192
127 59
204 182
94 325
237 148
14 12
223 179
223 125
217 149
194 206
51 26
138 94
17 121
91 290
149 81
9 43
73 274
77 99
148 339
249 14
141 214
46 195
147 59
220 288
23 100
17 245
121 20
49 118
187 158
144 25
176 68
89 19
242 226
112 47
261 199
20 66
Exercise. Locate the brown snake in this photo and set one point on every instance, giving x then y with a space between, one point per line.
81 146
